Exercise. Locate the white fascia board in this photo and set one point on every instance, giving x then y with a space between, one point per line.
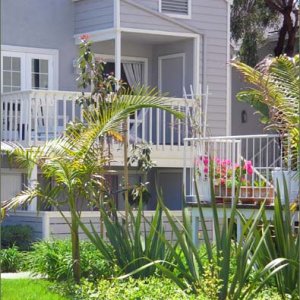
158 32
97 36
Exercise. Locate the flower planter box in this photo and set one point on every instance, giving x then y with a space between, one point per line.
292 182
263 193
246 195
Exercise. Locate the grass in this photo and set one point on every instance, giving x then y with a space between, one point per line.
27 289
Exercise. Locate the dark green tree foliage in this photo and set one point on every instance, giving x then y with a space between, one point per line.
249 20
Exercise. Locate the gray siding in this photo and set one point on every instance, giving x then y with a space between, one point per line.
134 17
211 17
91 15
35 222
42 24
132 49
253 125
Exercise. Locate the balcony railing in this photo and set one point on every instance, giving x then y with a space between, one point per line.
258 163
36 116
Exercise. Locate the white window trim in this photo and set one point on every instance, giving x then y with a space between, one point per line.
144 60
26 54
161 58
178 16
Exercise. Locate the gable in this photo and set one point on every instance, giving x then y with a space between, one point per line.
135 16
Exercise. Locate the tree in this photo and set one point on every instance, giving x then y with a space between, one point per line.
74 163
250 19
275 95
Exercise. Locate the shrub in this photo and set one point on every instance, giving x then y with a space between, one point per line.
53 259
10 259
18 235
152 288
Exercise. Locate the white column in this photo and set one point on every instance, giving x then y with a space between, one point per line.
32 183
118 55
228 73
117 39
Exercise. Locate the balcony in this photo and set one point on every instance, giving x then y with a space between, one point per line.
264 161
36 116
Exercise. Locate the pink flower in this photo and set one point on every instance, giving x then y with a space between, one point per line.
205 170
248 167
85 37
228 162
205 160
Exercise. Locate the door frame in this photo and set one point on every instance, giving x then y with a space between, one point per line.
170 56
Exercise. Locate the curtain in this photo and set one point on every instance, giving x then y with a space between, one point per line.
134 73
134 76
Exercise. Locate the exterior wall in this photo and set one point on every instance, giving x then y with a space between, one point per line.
209 17
42 24
26 218
49 225
134 17
132 49
11 183
252 125
92 15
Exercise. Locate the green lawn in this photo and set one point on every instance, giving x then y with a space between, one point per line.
27 289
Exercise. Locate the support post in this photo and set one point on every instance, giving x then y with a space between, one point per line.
32 183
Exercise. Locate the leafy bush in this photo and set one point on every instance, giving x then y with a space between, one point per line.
10 259
18 235
152 288
53 259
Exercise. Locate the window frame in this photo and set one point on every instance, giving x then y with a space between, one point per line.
174 15
27 54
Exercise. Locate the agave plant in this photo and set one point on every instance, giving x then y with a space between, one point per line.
282 240
235 284
133 247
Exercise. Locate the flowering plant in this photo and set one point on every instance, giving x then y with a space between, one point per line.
225 173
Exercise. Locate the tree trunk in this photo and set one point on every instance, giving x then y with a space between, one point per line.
75 249
280 43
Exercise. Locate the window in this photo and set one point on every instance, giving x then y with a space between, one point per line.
39 74
28 68
176 8
11 74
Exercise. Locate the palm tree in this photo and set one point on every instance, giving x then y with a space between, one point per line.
75 162
274 93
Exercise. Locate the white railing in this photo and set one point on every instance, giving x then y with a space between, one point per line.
262 158
35 116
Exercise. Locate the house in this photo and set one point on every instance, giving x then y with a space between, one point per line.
171 44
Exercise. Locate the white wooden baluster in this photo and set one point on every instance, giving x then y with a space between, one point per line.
55 99
29 104
16 118
35 119
10 118
22 111
46 118
172 128
164 121
135 127
64 112
143 124
157 128
150 125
